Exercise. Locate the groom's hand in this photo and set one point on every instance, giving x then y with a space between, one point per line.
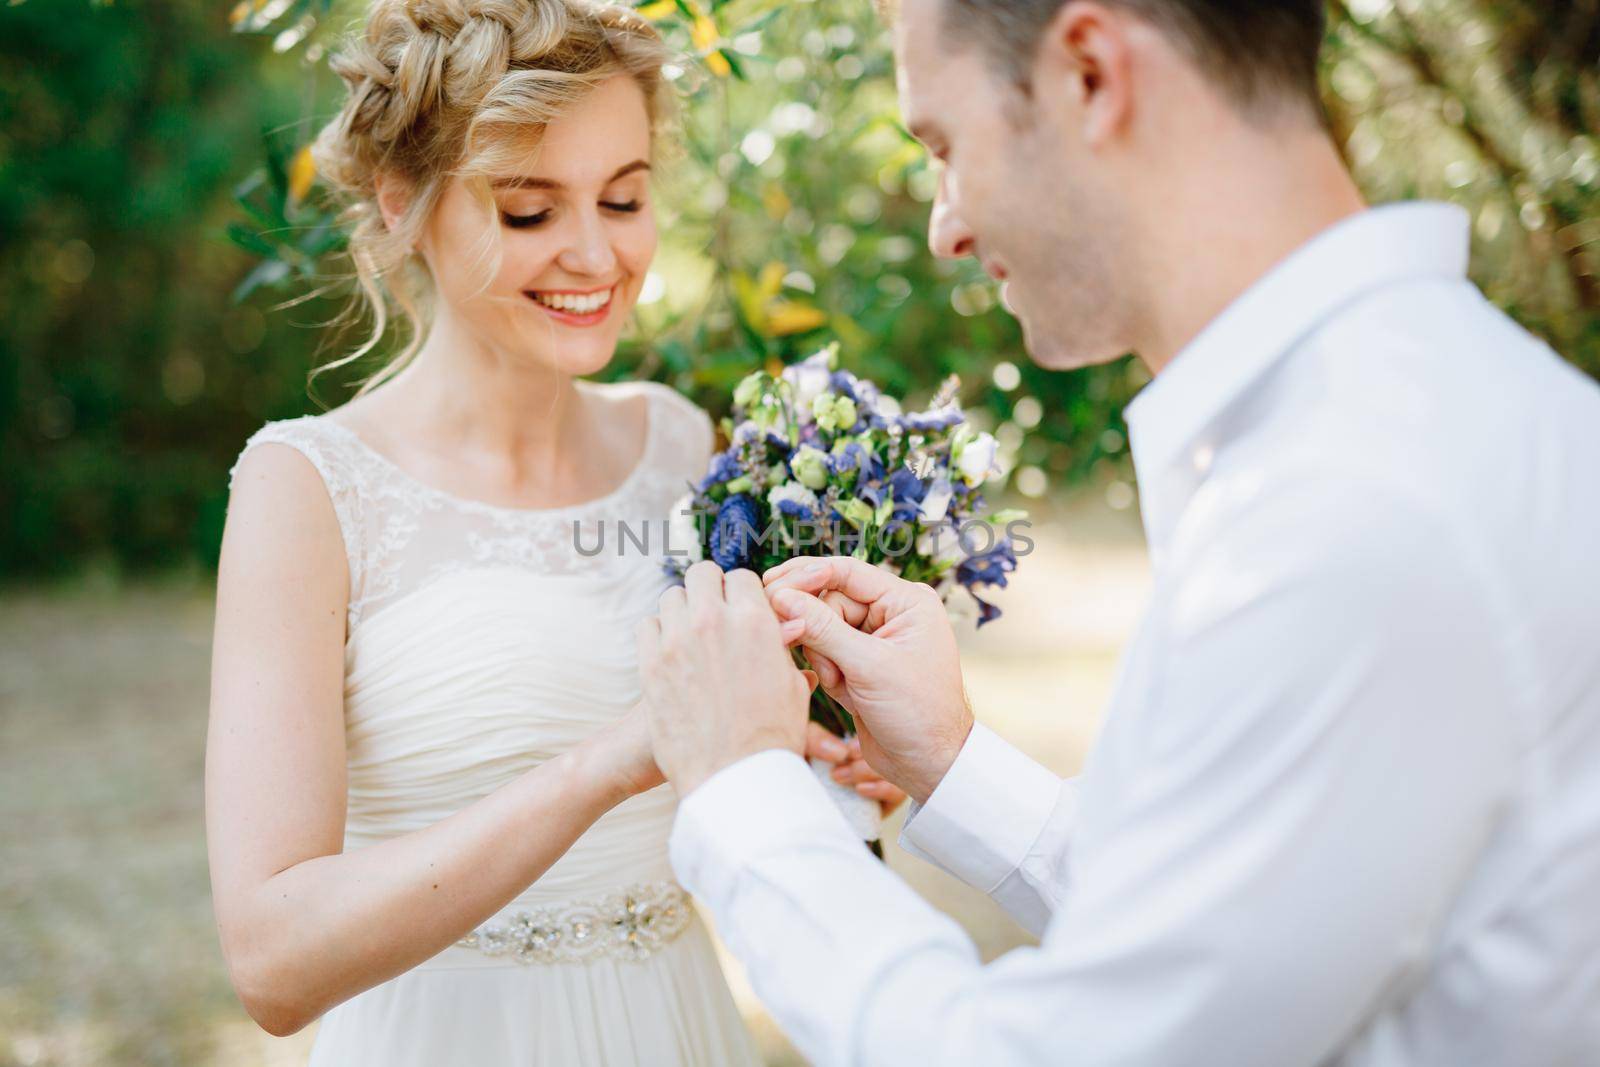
717 676
882 647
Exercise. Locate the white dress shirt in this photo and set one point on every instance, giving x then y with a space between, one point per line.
1345 804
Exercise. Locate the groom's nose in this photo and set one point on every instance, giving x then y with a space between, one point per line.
948 236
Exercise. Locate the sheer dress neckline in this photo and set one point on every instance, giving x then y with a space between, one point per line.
403 534
646 456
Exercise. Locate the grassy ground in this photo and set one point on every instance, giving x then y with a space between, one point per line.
108 954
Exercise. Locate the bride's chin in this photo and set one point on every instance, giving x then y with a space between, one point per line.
573 356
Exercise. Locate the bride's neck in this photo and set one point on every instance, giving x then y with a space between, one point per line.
469 397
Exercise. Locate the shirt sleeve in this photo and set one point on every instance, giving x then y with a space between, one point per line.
1275 864
1001 823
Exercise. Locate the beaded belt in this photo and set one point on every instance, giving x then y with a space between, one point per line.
630 923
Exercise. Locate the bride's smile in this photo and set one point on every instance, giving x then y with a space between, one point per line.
574 308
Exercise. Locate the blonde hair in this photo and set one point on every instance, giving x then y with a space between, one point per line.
440 89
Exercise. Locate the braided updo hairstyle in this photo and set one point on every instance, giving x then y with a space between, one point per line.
440 89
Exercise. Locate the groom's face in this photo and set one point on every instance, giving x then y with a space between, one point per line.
1019 191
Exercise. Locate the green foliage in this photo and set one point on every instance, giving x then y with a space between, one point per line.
1494 104
126 380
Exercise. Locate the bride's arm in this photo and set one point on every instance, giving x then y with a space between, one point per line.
304 926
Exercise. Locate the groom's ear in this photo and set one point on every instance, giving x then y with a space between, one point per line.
1084 68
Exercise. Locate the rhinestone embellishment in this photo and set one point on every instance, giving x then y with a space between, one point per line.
631 923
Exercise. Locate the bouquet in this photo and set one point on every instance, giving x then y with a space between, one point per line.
820 462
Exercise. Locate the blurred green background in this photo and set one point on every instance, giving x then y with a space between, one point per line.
154 223
130 374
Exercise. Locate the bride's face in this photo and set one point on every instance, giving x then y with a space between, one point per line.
576 231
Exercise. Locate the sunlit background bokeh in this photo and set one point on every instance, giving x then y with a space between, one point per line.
167 263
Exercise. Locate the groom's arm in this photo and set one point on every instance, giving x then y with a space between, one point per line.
1000 822
1324 755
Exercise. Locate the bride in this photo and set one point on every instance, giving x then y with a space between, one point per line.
432 814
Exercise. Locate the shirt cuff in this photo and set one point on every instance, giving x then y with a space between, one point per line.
764 803
985 815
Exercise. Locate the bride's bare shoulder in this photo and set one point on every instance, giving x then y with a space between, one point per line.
684 420
282 518
293 488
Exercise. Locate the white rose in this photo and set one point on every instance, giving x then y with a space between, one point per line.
683 535
978 459
941 544
810 467
936 502
794 492
809 379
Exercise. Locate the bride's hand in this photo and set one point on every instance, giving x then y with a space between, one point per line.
850 769
621 753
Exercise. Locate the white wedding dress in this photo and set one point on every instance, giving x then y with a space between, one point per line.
484 640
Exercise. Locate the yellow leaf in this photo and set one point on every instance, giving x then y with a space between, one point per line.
771 280
704 32
705 35
302 173
787 317
658 10
751 303
240 10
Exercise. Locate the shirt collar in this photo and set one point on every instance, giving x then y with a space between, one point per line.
1366 251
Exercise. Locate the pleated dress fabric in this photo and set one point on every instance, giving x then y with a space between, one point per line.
482 641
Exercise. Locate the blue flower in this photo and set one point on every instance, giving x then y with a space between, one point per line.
937 419
987 612
905 511
853 457
724 468
866 392
842 381
737 528
907 486
987 568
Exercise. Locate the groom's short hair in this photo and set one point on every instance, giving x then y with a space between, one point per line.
1259 51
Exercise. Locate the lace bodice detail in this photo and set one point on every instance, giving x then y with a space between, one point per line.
484 640
401 534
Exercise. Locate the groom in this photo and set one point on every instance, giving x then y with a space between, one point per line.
1345 807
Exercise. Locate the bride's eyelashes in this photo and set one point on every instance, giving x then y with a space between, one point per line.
523 222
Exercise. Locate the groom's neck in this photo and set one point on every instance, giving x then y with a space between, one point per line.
1252 197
